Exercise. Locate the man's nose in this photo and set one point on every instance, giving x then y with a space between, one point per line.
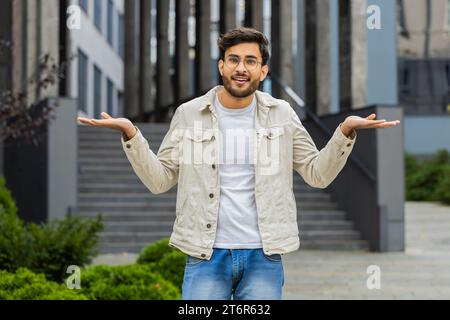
241 66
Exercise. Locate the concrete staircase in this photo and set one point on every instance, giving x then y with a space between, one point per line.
134 217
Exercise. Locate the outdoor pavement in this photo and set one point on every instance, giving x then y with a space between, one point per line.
422 271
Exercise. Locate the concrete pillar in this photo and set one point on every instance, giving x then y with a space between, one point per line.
146 72
227 15
182 60
353 54
203 62
282 59
323 66
254 14
131 86
164 94
359 53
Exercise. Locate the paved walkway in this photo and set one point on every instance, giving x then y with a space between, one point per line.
421 272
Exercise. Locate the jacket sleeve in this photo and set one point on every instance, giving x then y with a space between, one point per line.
159 173
319 168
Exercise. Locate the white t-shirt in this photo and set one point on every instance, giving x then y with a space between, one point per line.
237 226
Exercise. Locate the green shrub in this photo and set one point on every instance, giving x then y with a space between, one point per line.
131 282
155 251
443 186
428 180
26 285
13 241
60 243
7 203
168 261
45 248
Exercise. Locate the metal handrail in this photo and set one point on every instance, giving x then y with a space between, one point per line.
319 122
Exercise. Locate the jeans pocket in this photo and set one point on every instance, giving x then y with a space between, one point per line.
273 258
192 261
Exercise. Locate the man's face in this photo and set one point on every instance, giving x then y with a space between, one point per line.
241 81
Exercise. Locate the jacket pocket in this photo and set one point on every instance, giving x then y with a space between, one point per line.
198 147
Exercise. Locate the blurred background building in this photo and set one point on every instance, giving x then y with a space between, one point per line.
142 58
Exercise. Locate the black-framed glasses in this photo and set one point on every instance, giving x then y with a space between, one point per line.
233 61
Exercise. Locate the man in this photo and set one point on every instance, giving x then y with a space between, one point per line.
236 212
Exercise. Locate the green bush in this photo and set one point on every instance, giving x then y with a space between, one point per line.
131 282
13 241
7 203
26 285
168 261
155 251
60 243
428 180
443 186
45 248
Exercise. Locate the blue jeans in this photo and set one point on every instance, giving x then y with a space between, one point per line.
244 274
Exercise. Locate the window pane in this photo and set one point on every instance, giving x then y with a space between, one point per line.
98 14
83 5
82 81
97 92
121 35
110 97
110 21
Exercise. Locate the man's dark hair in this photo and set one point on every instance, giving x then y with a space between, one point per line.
244 35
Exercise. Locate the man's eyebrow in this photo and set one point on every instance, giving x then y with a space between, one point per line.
247 56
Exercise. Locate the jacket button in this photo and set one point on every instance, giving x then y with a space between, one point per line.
349 144
212 138
214 166
342 153
208 225
211 195
203 255
128 145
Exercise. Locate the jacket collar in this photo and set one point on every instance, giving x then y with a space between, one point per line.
263 100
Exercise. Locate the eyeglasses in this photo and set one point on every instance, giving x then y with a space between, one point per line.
233 61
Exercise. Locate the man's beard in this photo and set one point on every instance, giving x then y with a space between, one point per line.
238 93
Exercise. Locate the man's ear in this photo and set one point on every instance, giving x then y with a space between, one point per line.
220 66
264 72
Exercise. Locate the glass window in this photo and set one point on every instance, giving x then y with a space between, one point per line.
110 97
98 14
121 36
97 92
83 5
110 21
82 81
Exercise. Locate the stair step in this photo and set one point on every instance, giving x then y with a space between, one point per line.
330 235
114 237
132 216
326 225
139 226
315 215
334 245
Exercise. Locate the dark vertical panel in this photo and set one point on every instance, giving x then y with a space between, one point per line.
310 54
227 15
145 76
202 46
182 59
131 86
254 14
164 95
345 63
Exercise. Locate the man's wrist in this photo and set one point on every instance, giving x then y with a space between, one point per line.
348 132
130 133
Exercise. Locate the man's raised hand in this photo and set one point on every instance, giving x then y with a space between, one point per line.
121 124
